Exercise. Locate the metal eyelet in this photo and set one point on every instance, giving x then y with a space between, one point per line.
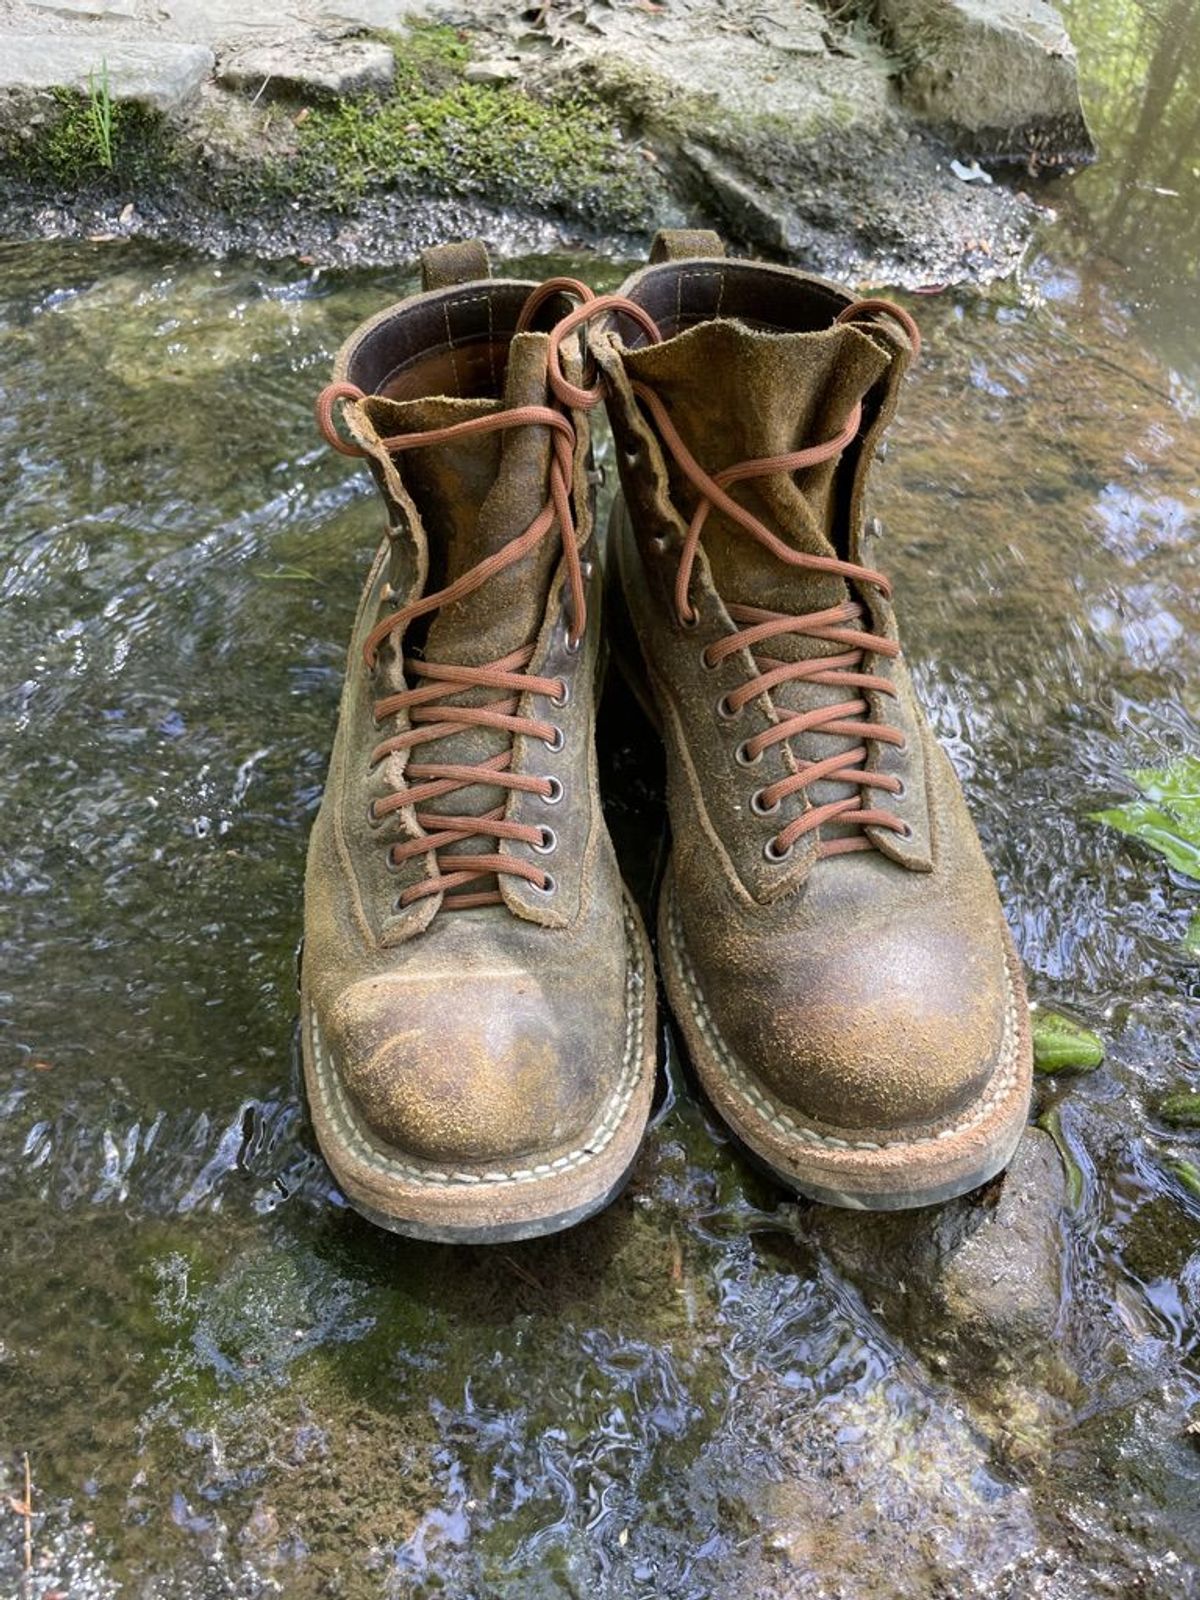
688 623
374 820
561 700
725 711
760 807
573 646
556 740
902 748
549 842
709 666
773 853
906 831
556 792
898 794
546 888
743 757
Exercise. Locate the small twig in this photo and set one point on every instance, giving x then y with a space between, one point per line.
525 1274
28 1520
24 1509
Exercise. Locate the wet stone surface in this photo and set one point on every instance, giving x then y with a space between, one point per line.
795 127
225 1381
979 1278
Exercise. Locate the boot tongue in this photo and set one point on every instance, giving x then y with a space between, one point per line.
736 394
475 495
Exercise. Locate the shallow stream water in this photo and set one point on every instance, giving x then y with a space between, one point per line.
229 1385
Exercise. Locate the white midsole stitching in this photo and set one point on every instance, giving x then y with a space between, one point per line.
336 1105
740 1080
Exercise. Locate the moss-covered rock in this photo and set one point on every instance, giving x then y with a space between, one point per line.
86 140
440 132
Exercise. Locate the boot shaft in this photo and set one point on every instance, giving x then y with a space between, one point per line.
746 434
449 355
472 658
753 363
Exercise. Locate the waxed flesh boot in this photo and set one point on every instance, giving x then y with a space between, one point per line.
830 936
476 985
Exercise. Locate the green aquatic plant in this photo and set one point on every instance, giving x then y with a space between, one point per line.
1051 1122
1060 1045
1188 1174
1167 819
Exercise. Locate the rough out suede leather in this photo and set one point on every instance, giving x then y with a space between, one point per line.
859 1018
482 1072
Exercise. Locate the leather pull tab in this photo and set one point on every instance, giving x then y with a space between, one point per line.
463 261
685 244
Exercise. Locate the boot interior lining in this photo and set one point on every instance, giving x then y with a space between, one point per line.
678 295
454 342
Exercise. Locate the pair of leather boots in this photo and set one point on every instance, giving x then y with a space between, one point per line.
478 990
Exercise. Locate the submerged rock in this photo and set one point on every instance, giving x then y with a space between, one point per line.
981 1276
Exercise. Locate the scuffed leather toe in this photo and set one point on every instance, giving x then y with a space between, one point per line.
467 1071
885 1033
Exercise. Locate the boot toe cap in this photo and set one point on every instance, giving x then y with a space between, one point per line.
463 1072
881 1039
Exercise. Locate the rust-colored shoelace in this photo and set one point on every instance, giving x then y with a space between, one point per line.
433 713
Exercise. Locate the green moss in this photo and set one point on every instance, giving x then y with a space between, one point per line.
438 133
431 51
70 152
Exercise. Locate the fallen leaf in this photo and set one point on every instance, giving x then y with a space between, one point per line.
1181 1109
1060 1045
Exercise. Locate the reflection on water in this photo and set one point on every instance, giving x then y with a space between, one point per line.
227 1383
1140 205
